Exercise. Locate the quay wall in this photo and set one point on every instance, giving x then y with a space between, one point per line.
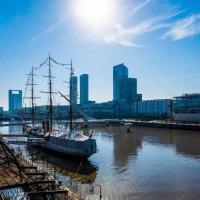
180 126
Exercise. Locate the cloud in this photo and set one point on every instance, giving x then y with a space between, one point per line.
128 43
184 28
126 36
52 28
138 8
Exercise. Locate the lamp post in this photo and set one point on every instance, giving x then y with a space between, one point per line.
92 190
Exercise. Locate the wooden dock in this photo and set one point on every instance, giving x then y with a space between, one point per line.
13 135
17 171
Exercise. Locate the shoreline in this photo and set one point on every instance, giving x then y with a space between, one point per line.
107 122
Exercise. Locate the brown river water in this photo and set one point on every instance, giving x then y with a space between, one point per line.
147 163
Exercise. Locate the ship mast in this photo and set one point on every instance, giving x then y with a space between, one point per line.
70 99
50 91
32 98
50 95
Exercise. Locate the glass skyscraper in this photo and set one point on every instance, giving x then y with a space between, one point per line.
15 100
119 72
84 88
132 90
124 88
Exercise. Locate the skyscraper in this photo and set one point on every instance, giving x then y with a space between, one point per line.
132 90
139 97
74 93
124 88
128 89
119 72
15 100
84 88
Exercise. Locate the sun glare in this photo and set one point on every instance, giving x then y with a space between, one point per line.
96 13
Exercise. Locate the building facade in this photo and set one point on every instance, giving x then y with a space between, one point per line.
187 108
161 108
1 111
132 90
139 97
99 110
124 88
84 89
74 92
120 72
15 100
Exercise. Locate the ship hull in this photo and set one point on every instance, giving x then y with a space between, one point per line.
60 154
70 148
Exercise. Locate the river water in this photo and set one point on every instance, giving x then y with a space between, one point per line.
147 163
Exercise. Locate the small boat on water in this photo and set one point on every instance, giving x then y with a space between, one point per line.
70 143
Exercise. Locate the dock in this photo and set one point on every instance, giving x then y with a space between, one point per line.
167 125
13 135
17 171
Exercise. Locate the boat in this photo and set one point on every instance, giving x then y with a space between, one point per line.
66 142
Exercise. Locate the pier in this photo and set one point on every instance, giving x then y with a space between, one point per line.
167 125
17 171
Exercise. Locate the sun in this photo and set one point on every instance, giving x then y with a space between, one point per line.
96 13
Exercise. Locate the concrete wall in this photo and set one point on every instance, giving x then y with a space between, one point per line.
187 117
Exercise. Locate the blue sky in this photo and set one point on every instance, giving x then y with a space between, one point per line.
158 40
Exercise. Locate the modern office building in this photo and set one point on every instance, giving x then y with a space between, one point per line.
187 108
127 89
84 90
99 110
161 108
122 109
124 88
139 97
132 90
119 72
1 111
74 92
15 100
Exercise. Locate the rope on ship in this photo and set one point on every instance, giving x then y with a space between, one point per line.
78 169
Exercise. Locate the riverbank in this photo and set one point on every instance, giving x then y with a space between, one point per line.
167 125
115 122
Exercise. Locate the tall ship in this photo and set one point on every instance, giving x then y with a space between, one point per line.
65 142
31 128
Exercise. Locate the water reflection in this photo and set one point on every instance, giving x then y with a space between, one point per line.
185 142
148 163
124 144
10 129
80 170
15 129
